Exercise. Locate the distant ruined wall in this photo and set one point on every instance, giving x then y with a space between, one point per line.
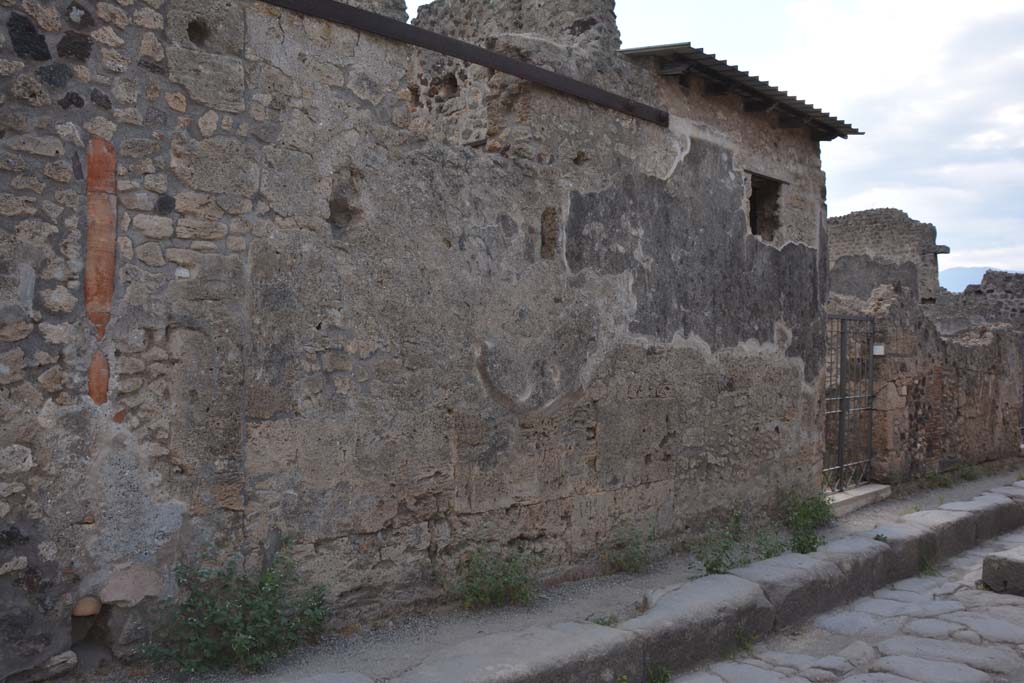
883 245
264 278
998 299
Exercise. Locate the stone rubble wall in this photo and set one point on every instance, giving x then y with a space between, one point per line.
882 245
270 285
998 299
941 401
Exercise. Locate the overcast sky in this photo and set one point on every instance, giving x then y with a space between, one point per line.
937 85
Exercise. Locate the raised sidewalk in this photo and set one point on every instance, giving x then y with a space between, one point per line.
709 617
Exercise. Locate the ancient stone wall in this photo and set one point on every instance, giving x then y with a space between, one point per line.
999 298
883 245
940 401
267 278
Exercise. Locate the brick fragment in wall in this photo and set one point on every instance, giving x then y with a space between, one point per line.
99 378
100 239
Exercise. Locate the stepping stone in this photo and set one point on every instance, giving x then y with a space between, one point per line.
877 678
1003 572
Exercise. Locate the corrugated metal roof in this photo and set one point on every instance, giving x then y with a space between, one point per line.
708 66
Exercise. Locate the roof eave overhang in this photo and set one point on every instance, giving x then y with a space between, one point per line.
682 58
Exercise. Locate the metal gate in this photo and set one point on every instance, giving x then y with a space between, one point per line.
849 399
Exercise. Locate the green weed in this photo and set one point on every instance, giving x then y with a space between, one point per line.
968 472
228 620
803 517
631 554
658 674
492 580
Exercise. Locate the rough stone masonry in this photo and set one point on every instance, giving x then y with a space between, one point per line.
948 387
268 285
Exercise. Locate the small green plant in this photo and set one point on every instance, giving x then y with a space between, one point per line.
719 550
610 620
493 580
968 472
631 554
623 678
228 620
768 543
938 480
928 567
744 642
803 517
882 538
658 674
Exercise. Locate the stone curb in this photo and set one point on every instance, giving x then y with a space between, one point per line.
709 617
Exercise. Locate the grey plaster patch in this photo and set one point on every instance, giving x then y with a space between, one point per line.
664 233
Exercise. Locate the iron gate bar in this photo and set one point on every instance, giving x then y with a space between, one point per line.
850 377
844 403
371 22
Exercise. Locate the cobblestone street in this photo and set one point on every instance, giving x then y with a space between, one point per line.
934 628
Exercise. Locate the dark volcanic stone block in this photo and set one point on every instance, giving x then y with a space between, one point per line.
26 39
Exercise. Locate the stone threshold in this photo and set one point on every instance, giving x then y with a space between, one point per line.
714 616
854 499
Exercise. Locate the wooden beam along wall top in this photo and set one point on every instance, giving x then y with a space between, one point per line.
371 22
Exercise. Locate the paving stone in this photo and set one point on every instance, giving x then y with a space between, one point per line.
894 608
901 596
700 620
987 658
858 653
926 585
837 664
877 678
562 653
701 677
859 624
989 628
732 672
930 628
798 586
336 678
928 671
816 675
789 659
967 636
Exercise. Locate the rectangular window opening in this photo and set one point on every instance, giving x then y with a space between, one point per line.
764 206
